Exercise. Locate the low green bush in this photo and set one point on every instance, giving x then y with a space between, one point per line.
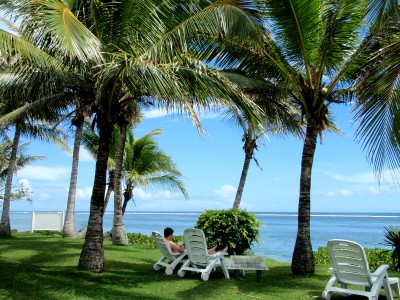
141 240
144 241
376 257
49 232
235 228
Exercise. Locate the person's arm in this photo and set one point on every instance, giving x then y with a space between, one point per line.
176 248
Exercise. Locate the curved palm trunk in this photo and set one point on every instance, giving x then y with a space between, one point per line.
249 145
110 189
5 227
303 258
128 194
69 224
119 236
92 255
239 192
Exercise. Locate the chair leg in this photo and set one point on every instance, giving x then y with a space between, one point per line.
326 295
394 285
388 290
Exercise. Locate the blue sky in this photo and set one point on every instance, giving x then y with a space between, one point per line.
342 181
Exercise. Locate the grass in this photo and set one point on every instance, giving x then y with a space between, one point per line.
35 266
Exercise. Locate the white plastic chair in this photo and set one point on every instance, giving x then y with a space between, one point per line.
170 259
198 258
350 268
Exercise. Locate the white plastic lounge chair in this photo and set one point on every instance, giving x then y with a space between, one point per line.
170 259
350 268
198 258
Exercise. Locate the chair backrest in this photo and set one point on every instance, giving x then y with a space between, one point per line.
349 263
196 245
162 244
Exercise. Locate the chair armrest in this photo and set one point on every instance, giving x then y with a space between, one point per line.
180 253
381 270
218 254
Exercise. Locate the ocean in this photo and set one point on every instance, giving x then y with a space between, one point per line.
278 233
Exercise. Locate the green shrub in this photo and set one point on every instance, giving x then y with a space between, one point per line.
321 256
142 240
376 257
235 228
48 232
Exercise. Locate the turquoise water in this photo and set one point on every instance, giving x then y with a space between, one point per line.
278 234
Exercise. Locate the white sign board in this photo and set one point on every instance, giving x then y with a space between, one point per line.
244 262
47 221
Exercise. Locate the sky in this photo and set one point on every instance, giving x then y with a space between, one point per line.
342 180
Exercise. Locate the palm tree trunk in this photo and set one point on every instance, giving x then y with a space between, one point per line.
303 259
250 144
119 236
69 224
126 200
242 181
92 255
5 227
128 194
110 189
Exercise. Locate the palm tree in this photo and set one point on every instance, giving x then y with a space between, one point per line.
90 141
134 49
250 140
78 120
129 114
19 190
63 86
22 126
146 165
279 118
308 56
143 165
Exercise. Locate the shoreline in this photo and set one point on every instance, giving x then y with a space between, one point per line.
264 214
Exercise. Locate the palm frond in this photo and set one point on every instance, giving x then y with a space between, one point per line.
56 18
377 109
218 20
379 11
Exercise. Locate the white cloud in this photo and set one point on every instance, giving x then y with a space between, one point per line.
55 173
84 193
155 113
43 196
226 191
334 193
26 183
141 195
356 178
361 190
168 195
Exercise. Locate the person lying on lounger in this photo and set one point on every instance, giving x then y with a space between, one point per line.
168 232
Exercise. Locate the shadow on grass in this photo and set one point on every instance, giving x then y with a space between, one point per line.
42 267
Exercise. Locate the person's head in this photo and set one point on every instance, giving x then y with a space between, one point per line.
168 231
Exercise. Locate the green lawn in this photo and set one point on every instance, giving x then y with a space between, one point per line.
34 266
